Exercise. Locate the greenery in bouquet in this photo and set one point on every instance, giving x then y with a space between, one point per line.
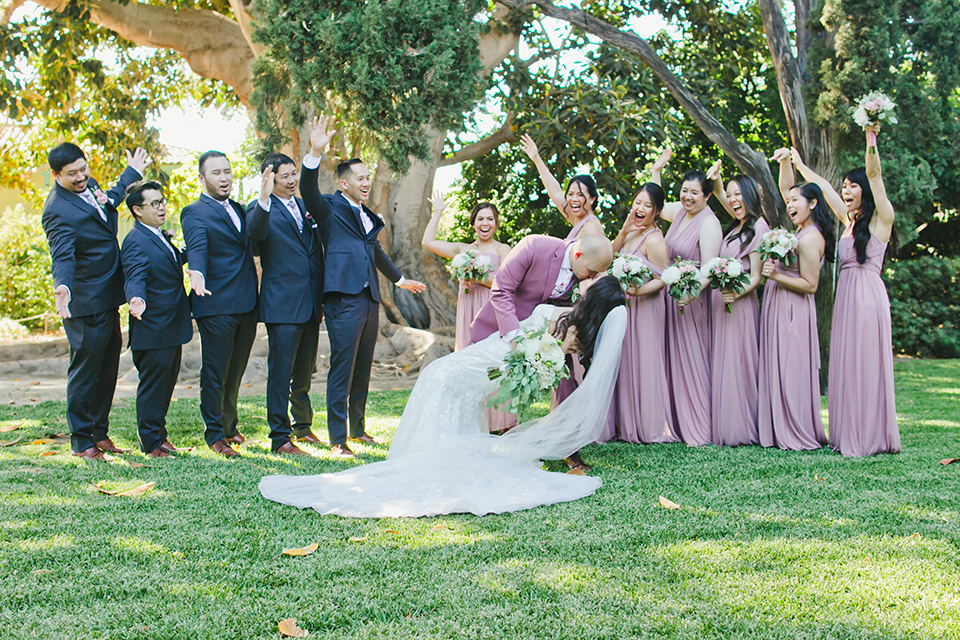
470 266
630 271
725 274
533 367
778 244
682 279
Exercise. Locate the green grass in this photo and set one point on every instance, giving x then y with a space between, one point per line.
768 544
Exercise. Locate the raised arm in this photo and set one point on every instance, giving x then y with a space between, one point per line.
713 173
670 209
834 201
884 212
258 212
430 242
321 132
787 176
551 184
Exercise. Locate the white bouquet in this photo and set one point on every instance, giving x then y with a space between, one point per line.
630 271
682 279
535 365
872 108
725 274
778 244
470 266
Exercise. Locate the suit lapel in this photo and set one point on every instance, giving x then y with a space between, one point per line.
81 204
288 215
556 263
354 215
223 215
160 243
378 223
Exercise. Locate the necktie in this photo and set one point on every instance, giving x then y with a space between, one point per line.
563 283
233 214
365 220
90 200
295 212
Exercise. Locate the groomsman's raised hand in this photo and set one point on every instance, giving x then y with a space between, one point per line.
139 159
321 133
267 179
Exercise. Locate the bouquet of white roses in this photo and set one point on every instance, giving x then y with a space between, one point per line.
529 370
471 266
630 271
778 244
725 274
682 279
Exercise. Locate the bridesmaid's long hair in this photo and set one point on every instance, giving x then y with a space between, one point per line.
588 184
589 313
861 223
750 192
821 217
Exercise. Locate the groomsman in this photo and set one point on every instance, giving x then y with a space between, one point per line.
223 300
351 297
80 222
291 299
159 313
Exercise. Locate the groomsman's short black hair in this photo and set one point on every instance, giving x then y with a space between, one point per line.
346 167
276 160
63 154
206 155
135 193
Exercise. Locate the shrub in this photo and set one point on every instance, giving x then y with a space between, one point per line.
925 306
12 330
25 278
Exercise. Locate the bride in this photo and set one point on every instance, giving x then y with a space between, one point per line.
442 461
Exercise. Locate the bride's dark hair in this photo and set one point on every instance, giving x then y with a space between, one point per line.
589 313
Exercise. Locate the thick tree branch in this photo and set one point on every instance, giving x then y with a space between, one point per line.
483 146
788 71
213 45
498 42
751 162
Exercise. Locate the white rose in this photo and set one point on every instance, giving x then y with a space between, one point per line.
670 275
460 260
483 262
735 268
530 349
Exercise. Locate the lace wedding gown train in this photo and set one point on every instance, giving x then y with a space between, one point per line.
442 461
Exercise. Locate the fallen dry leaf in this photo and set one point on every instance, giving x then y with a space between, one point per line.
668 504
392 531
439 526
39 571
137 491
9 427
304 551
33 384
34 399
44 441
7 443
358 539
949 460
916 535
48 453
104 491
290 629
576 472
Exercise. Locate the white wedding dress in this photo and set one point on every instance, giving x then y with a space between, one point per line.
441 460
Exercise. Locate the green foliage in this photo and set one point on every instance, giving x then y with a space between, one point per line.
27 283
392 67
925 306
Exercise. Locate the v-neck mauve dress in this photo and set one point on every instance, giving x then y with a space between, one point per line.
789 414
736 352
860 397
688 341
642 394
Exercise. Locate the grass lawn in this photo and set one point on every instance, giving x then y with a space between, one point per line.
767 544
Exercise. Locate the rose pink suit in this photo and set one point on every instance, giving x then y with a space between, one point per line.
860 398
642 394
789 390
469 303
688 342
736 354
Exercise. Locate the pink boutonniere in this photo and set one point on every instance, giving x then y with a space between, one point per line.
100 196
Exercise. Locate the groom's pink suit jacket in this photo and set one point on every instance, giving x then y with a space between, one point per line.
525 279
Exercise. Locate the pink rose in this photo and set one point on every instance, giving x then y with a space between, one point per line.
871 105
100 196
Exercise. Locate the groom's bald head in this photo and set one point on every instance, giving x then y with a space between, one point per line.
591 255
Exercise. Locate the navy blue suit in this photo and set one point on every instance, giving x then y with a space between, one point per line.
351 302
227 318
291 305
153 272
85 257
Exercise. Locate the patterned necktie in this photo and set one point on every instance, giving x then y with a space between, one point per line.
90 200
295 212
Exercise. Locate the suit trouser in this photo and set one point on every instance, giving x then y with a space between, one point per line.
352 324
290 366
225 343
159 370
95 344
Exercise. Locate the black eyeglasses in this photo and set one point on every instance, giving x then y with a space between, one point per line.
156 204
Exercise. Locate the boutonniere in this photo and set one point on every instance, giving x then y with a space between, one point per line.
309 219
166 234
100 196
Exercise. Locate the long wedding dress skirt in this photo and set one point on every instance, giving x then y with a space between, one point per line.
442 461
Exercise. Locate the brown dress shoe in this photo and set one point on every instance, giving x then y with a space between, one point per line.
223 448
290 448
167 447
107 445
93 453
310 437
237 439
342 451
159 452
576 462
364 438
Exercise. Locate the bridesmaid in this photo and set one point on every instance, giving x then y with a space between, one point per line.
736 347
484 218
860 394
578 204
694 234
789 416
642 395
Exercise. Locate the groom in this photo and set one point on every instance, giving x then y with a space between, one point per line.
540 269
